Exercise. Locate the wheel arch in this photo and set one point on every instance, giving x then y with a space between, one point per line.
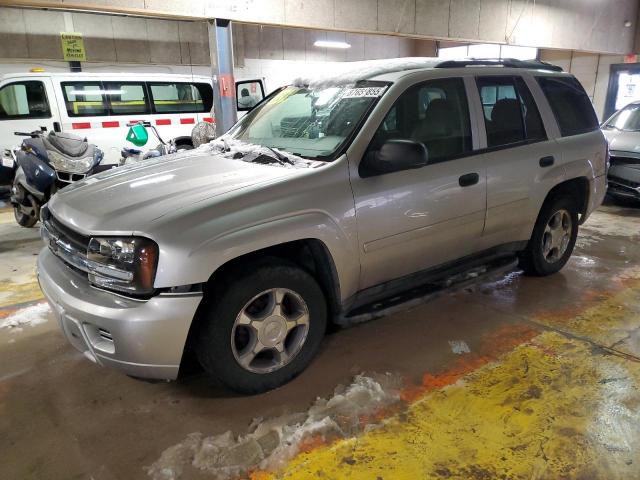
578 189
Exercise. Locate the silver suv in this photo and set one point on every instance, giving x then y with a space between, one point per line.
329 197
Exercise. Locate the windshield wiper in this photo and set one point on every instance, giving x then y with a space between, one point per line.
281 158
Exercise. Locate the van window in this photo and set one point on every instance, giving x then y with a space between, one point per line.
510 113
434 113
84 99
179 97
570 105
24 100
126 98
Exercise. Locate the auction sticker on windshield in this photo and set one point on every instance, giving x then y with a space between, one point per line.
360 92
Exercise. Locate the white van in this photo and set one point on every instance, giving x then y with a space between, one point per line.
100 105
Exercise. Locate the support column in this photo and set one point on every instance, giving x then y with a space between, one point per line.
224 89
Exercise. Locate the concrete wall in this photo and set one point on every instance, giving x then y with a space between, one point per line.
35 34
586 25
282 54
592 70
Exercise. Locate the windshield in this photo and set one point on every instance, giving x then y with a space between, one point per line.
626 119
311 123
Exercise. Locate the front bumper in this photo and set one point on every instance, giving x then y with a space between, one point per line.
141 338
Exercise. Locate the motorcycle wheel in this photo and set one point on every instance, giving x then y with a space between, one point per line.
26 202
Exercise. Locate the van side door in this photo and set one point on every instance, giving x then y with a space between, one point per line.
411 220
523 161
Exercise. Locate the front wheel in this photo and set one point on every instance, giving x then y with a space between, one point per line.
264 327
25 209
553 239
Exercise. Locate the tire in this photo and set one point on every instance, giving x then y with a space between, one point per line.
183 147
226 339
24 220
537 259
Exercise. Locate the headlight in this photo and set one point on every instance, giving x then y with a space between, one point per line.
67 164
123 264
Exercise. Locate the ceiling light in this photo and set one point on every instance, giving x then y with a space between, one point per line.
627 23
330 44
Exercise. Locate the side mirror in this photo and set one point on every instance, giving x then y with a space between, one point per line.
249 93
394 156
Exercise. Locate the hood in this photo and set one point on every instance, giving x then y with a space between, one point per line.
128 199
622 141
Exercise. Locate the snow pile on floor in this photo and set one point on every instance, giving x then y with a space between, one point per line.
355 71
249 152
28 316
270 444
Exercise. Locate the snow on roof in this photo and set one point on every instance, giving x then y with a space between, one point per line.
351 72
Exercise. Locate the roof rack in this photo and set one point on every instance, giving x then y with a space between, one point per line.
504 62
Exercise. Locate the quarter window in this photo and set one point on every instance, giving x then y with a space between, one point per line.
570 105
24 100
434 113
510 113
177 97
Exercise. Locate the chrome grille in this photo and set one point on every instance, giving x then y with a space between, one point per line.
67 245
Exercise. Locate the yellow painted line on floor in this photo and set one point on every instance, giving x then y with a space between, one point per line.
604 317
549 409
13 293
554 406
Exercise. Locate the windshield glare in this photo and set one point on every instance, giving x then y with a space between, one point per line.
626 119
311 123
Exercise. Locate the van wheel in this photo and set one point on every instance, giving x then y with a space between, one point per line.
262 328
553 239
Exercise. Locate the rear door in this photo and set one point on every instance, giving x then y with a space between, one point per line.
522 160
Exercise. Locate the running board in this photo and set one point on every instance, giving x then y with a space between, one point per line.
493 270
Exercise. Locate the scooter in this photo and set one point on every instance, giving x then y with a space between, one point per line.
47 163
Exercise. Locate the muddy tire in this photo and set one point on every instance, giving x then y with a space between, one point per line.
261 327
553 238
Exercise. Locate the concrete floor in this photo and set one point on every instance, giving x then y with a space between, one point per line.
519 378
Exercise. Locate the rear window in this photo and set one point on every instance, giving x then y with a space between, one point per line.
181 97
570 104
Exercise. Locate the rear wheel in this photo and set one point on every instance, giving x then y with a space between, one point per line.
263 328
553 239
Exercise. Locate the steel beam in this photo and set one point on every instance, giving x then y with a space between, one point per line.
224 90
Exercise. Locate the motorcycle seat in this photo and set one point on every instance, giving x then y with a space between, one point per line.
68 144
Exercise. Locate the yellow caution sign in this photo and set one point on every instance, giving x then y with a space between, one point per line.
73 47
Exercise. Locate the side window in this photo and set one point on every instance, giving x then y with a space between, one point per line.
24 100
570 105
434 113
126 98
510 113
176 97
84 99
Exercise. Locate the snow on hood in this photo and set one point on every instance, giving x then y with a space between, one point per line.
353 72
271 443
252 153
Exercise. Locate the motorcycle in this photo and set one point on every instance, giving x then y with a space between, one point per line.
47 163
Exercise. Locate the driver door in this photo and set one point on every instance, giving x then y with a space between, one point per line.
416 219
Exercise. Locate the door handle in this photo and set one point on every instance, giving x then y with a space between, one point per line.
469 179
547 161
